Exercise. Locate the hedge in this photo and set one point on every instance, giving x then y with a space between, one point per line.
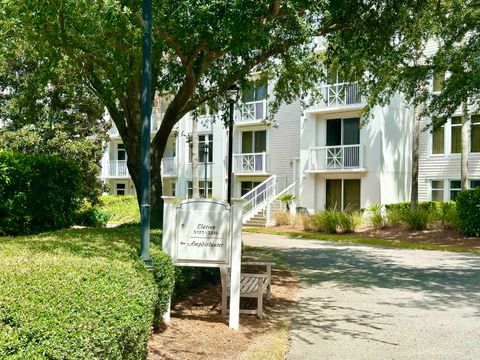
79 294
37 193
468 209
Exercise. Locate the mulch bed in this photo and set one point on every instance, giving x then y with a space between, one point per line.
198 331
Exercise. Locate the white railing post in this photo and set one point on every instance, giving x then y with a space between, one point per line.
264 162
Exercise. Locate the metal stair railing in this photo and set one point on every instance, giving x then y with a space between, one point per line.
293 189
258 197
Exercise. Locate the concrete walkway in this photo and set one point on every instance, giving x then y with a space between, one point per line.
360 302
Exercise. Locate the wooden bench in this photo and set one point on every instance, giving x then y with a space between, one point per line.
251 286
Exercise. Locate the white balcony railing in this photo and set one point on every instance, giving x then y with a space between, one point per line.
154 125
169 166
326 158
254 163
253 111
117 168
341 94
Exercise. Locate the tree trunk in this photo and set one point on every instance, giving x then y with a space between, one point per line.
194 148
464 155
415 148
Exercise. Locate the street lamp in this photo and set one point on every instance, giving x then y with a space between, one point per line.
233 95
205 148
146 112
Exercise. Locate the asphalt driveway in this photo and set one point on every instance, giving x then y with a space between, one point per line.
361 302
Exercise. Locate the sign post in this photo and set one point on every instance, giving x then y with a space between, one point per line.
206 233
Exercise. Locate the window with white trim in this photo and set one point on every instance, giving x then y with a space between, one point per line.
120 188
455 188
437 190
201 185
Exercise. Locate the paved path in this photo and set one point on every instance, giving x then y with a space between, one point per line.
359 302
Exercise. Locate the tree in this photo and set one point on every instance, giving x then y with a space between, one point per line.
404 66
200 49
53 116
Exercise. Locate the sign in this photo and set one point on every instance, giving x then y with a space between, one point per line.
206 233
202 234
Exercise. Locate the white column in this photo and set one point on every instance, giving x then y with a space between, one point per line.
235 264
168 236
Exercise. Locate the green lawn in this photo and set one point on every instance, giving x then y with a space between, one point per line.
352 239
121 209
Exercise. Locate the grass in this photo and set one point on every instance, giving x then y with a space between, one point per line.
352 239
270 346
121 209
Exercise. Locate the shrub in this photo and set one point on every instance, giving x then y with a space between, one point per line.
326 221
282 218
395 216
468 209
417 219
345 222
449 218
375 217
92 217
37 193
164 276
303 222
80 294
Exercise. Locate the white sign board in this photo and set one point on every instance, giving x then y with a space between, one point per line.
202 235
206 233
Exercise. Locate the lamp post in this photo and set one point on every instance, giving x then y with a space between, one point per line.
205 148
233 94
146 112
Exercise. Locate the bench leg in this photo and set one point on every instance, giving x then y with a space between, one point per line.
260 299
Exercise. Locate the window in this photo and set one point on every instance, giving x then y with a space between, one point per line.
456 135
120 188
438 81
201 185
474 184
256 91
343 132
202 140
343 194
254 141
437 190
455 187
205 140
121 153
475 134
246 186
438 139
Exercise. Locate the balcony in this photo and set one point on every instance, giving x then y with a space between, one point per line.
252 112
154 125
250 164
118 168
341 96
336 159
169 167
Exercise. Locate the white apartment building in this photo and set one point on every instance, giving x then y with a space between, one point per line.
322 154
349 166
261 151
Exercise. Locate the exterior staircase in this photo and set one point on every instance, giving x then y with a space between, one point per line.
258 220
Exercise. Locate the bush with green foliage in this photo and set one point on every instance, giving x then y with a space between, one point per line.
375 217
92 216
80 294
448 215
330 221
417 219
468 209
37 193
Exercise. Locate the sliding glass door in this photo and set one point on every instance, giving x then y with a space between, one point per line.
342 194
